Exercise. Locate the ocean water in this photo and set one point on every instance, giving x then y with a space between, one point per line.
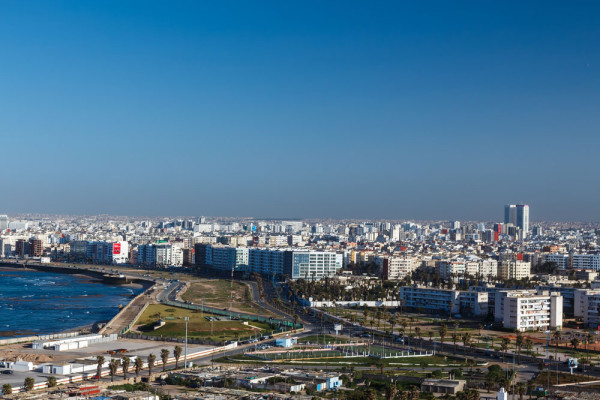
33 303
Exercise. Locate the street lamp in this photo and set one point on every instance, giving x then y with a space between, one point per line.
548 359
488 339
186 340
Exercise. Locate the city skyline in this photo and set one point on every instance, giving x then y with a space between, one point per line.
390 110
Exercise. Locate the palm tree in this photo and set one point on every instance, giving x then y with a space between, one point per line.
138 365
100 362
125 364
112 368
6 389
177 353
442 331
151 360
392 321
466 340
588 339
164 356
51 381
504 347
519 342
28 384
296 318
520 389
391 392
575 343
529 345
454 340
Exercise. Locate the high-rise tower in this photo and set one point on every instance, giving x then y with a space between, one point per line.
523 218
510 214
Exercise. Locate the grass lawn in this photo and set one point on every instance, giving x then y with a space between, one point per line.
542 378
217 293
323 339
198 326
332 358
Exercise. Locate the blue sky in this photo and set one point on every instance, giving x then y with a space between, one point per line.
359 109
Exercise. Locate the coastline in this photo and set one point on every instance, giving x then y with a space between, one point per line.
94 277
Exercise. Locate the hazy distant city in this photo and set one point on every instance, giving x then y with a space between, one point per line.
299 200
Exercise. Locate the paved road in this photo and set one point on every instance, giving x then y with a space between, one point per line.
256 298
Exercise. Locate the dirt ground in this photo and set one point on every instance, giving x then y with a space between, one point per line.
24 352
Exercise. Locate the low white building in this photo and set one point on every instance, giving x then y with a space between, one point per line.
444 301
533 312
72 343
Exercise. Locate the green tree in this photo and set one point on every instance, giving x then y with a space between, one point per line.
164 356
390 392
575 343
6 389
177 354
454 340
138 364
519 343
466 339
51 381
296 317
28 384
125 364
99 363
113 365
151 361
443 331
520 388
504 346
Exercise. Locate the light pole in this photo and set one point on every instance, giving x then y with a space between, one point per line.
186 340
488 339
548 360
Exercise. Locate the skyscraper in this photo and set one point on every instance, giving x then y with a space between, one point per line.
523 218
510 214
3 222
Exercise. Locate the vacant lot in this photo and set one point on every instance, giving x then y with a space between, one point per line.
220 293
198 325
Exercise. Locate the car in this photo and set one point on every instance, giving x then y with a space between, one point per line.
8 372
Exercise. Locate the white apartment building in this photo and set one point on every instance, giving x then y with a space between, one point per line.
591 305
488 268
533 312
443 301
561 260
398 267
580 304
278 240
448 268
514 269
501 295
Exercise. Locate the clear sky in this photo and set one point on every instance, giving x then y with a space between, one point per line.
419 109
